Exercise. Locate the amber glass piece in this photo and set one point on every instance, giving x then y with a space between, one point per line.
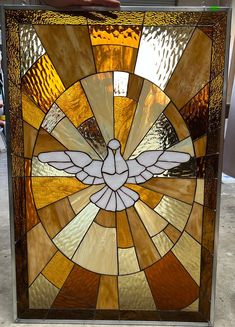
114 57
151 198
106 218
134 86
172 287
18 187
208 229
216 103
74 104
108 293
42 83
40 251
114 34
181 189
30 135
193 69
17 131
195 113
45 142
211 17
13 50
17 166
65 46
80 290
171 18
31 213
177 121
200 146
124 237
58 269
194 225
124 110
47 190
55 216
146 252
208 30
117 18
31 113
172 233
14 94
27 167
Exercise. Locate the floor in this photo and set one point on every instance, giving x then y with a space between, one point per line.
225 298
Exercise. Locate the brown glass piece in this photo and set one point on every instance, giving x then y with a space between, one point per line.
14 96
172 287
208 229
27 167
213 141
79 291
107 314
31 213
216 103
106 218
211 17
34 314
194 225
211 193
135 84
124 237
211 166
18 190
17 143
200 167
184 170
71 314
56 215
195 113
172 233
208 30
140 315
176 119
182 316
45 142
17 166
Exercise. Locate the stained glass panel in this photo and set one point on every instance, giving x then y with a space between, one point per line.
115 125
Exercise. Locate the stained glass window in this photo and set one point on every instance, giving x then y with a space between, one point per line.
116 121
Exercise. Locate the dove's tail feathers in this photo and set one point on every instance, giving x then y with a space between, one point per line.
110 200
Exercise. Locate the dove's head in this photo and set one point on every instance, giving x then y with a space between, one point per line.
114 145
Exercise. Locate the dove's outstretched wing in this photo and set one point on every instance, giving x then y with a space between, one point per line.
79 163
150 163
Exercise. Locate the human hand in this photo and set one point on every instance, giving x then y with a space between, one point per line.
69 3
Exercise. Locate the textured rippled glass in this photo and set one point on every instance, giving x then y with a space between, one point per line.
30 46
43 169
216 102
52 118
171 18
187 169
159 52
117 18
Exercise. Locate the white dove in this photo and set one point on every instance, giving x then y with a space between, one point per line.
114 171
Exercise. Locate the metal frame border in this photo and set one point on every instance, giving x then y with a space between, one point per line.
9 163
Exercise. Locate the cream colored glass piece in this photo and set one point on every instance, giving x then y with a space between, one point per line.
98 250
151 220
120 83
151 104
42 293
192 307
174 211
43 169
99 90
162 243
52 118
80 199
188 251
68 135
199 196
128 263
184 146
134 293
71 236
159 52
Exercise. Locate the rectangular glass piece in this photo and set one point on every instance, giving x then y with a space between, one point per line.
115 122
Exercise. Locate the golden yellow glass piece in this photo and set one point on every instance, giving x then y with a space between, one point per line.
27 167
71 236
45 142
173 18
151 198
188 251
151 104
199 196
177 122
42 293
174 211
134 293
98 250
42 83
124 110
172 233
58 269
124 237
31 113
182 189
108 293
30 134
194 225
99 90
151 220
68 135
114 57
117 18
128 263
135 84
192 307
145 249
192 71
185 145
162 243
200 146
81 198
40 251
113 34
73 103
69 49
47 190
